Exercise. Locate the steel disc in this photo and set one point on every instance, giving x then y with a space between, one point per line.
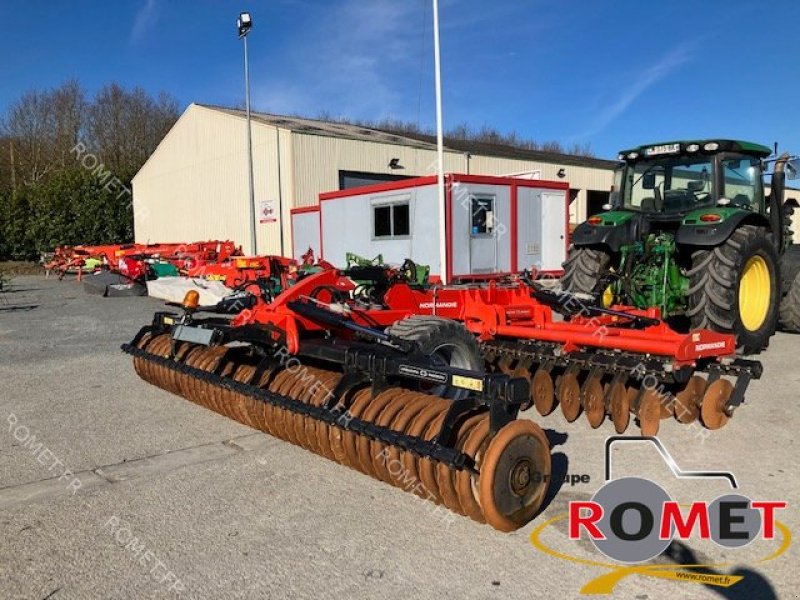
405 418
514 475
446 477
543 392
504 364
620 407
569 396
294 391
319 430
687 401
312 378
426 468
278 383
380 451
714 401
467 482
650 412
361 402
371 414
411 476
594 402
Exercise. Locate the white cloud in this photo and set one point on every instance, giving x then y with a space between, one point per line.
665 66
145 19
350 59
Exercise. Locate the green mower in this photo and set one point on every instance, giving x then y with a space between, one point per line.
690 230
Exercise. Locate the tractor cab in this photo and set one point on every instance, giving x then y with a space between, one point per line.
679 213
680 177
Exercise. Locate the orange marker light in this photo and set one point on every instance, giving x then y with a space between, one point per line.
710 218
191 300
594 220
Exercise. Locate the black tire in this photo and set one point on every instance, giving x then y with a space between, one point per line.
714 281
790 307
584 269
447 342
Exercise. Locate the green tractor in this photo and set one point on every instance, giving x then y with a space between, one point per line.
689 230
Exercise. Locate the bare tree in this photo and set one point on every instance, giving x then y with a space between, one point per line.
125 126
465 133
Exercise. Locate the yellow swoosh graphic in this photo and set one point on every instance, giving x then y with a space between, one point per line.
604 584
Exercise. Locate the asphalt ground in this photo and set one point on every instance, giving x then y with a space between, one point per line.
112 488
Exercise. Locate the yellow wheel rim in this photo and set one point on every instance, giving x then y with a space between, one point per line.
608 297
754 293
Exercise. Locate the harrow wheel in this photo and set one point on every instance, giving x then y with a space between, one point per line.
714 400
650 408
687 401
621 406
543 392
569 395
514 475
557 378
511 468
594 402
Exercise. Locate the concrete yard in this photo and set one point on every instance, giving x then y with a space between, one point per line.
136 493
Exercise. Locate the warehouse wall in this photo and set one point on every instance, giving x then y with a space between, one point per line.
195 185
318 159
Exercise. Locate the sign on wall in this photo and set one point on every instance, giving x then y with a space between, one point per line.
267 212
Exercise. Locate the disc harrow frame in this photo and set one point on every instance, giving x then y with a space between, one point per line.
371 410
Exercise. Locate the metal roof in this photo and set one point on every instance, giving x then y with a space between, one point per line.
416 140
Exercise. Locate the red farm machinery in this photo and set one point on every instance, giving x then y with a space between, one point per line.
420 386
123 269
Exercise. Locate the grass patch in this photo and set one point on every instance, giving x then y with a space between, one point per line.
13 268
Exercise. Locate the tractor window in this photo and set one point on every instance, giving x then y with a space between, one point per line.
669 184
742 177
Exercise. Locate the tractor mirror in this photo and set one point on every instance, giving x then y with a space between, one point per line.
649 181
792 168
695 186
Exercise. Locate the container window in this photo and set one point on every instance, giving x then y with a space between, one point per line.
391 220
383 221
482 216
400 219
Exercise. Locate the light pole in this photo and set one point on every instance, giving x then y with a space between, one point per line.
439 145
244 24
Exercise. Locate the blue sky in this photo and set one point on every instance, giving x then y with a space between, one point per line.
613 74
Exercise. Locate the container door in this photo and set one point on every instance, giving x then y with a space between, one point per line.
529 228
554 230
483 222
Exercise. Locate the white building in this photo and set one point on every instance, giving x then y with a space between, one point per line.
195 185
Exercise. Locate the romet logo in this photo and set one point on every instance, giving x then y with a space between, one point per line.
633 520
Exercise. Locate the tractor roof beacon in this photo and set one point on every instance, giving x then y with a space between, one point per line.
689 230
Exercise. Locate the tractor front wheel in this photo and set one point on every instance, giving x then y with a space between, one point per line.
735 288
584 269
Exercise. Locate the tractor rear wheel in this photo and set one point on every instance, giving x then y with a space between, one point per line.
584 269
735 288
790 307
446 342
